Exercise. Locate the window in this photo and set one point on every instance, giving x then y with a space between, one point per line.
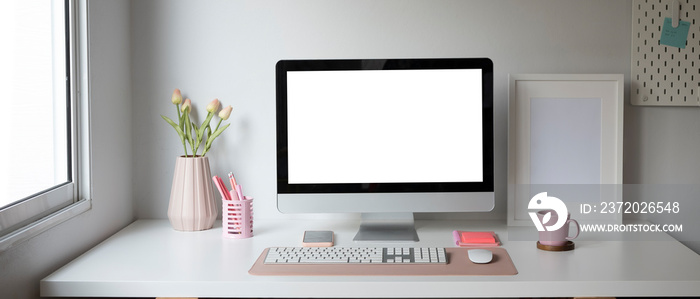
39 152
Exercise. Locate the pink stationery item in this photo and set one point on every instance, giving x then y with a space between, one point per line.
233 194
478 237
239 189
232 179
222 188
237 217
475 239
235 186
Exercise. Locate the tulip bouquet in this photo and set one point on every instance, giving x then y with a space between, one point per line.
189 132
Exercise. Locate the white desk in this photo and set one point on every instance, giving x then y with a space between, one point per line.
149 259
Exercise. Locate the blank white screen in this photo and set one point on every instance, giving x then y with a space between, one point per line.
385 126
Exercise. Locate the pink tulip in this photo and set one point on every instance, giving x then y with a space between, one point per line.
186 106
177 97
213 106
225 113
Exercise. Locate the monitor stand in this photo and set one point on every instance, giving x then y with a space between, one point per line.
387 227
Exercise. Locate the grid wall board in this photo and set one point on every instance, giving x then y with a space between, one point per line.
664 75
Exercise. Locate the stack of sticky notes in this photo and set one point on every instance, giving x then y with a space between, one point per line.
476 239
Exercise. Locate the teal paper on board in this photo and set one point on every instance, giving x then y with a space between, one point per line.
674 37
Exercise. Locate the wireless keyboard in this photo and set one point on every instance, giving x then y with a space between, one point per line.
355 255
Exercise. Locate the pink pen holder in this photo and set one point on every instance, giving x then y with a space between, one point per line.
237 218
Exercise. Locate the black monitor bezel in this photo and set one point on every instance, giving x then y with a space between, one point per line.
284 66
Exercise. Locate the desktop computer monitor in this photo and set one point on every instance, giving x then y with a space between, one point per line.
385 138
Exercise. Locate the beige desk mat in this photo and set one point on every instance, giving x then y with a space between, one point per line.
457 264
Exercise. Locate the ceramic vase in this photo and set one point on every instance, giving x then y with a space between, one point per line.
192 206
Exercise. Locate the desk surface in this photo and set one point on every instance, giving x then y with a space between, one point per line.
150 259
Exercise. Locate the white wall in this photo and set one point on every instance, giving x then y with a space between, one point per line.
662 152
228 49
23 266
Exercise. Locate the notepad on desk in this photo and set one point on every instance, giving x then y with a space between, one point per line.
475 239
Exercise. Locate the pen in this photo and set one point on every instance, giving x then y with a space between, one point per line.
239 189
220 185
223 187
232 179
235 186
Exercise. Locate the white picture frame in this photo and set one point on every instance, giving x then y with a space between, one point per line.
555 119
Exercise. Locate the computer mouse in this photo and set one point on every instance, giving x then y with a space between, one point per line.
480 256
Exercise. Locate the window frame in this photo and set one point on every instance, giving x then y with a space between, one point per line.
38 213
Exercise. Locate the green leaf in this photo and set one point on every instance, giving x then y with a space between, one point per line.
198 138
178 130
205 124
196 131
182 122
175 126
214 135
188 130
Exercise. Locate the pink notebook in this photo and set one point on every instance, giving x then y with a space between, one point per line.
475 239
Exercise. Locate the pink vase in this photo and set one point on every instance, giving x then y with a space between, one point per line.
192 206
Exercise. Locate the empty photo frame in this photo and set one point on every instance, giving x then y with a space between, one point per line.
565 138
